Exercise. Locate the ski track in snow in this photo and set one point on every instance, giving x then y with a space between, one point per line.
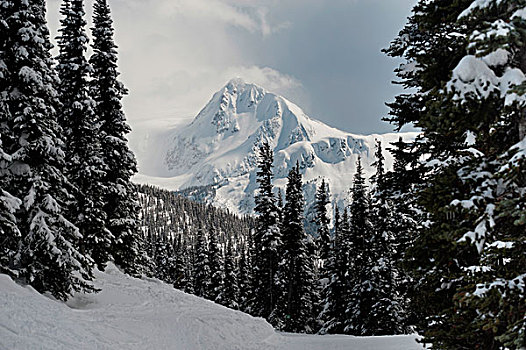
132 313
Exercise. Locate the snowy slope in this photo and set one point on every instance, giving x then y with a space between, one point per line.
218 147
132 314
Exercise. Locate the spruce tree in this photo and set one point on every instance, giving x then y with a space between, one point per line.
216 266
190 271
229 294
202 272
120 196
85 165
322 222
294 310
48 257
334 299
400 186
280 204
323 248
267 238
468 258
9 233
359 297
246 275
386 315
164 260
181 257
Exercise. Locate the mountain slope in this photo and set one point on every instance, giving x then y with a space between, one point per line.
131 313
218 148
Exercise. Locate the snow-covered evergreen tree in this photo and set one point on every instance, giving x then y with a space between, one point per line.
229 293
48 257
334 301
267 238
400 185
294 308
190 263
358 298
85 165
216 266
202 271
165 260
120 198
468 258
385 315
180 259
246 275
322 222
9 233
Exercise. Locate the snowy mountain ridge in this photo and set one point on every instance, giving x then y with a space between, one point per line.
218 148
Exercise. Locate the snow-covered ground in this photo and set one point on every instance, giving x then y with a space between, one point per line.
132 313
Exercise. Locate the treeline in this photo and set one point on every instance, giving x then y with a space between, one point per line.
345 279
349 278
196 247
66 201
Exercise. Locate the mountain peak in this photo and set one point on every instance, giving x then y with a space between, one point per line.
221 114
218 148
239 83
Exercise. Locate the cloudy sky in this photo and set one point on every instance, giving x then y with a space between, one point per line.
324 55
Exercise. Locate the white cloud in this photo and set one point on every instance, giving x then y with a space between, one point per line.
174 54
209 10
248 15
184 92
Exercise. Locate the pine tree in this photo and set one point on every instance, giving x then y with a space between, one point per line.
294 310
48 257
400 186
120 197
229 294
246 275
85 166
190 271
267 238
468 259
164 260
386 315
202 272
181 257
359 297
334 295
280 204
322 221
9 233
216 266
323 247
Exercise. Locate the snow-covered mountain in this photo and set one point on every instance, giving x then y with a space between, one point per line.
214 157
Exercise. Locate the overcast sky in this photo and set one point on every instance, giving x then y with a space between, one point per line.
324 55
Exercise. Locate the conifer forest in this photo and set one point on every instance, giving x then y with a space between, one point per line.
434 245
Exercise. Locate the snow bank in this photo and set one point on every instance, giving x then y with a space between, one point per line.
143 314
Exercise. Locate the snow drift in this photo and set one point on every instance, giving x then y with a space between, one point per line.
132 313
